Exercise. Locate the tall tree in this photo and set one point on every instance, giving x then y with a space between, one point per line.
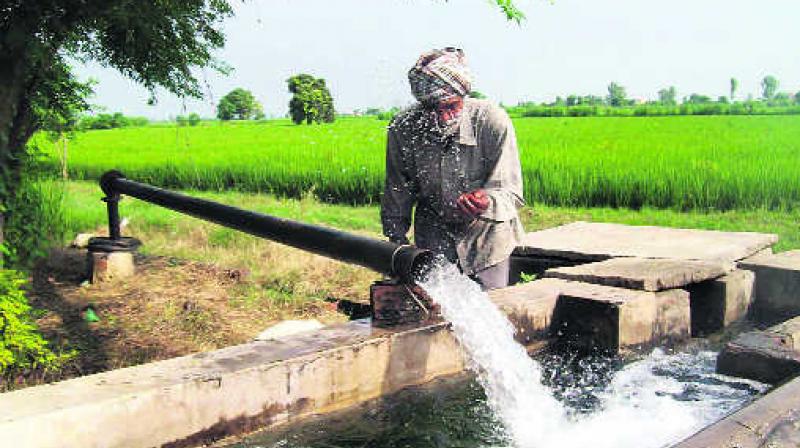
769 86
616 95
239 104
311 100
156 43
734 88
668 96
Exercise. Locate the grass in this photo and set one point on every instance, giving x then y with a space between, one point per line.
84 211
200 286
682 162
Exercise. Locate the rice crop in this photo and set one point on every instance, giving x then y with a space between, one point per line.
681 162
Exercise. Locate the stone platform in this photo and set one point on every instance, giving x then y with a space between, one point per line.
646 274
588 241
654 259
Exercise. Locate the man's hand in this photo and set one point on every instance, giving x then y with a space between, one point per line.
473 203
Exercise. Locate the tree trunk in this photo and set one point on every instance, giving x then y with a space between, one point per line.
64 156
16 124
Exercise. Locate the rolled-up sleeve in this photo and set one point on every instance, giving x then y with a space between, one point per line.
398 196
504 184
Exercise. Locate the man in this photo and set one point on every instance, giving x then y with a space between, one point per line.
456 159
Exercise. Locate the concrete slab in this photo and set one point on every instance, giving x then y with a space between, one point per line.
772 421
600 241
777 289
609 318
535 266
770 356
717 303
646 274
530 306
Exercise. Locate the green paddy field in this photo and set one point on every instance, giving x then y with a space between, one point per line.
676 162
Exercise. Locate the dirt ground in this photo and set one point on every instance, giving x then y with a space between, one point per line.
171 308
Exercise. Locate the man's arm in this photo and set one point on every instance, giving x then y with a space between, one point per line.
504 184
398 196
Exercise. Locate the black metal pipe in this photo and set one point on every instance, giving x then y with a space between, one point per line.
112 207
392 259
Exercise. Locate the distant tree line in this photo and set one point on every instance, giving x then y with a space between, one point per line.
617 103
110 121
193 119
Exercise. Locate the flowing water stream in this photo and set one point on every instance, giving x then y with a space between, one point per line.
521 402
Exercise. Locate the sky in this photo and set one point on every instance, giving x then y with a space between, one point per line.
364 48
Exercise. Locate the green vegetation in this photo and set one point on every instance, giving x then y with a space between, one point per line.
22 348
34 221
85 211
239 104
694 105
707 162
110 121
311 100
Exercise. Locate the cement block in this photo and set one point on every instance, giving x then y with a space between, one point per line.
600 241
777 288
108 266
772 421
530 307
765 356
646 274
717 303
609 318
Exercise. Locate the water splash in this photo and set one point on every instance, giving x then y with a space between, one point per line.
645 404
510 378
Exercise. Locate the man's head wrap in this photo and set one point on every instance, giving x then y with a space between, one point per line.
440 74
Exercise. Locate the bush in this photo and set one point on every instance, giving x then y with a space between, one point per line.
111 121
22 348
193 119
34 221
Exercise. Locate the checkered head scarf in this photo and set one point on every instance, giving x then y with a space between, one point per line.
440 74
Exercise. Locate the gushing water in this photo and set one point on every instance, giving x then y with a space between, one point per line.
637 409
510 378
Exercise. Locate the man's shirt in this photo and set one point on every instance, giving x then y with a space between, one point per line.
429 169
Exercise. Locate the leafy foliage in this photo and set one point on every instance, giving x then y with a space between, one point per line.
769 86
239 104
34 221
311 101
21 345
616 95
110 121
156 43
668 96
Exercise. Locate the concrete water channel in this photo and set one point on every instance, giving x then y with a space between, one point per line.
620 288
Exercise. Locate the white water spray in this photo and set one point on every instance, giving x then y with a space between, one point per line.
638 409
511 379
